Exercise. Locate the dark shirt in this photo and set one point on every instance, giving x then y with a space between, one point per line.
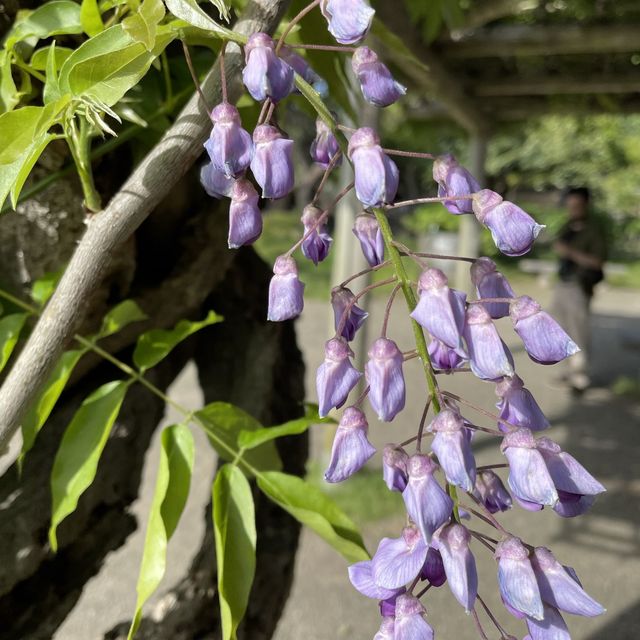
587 236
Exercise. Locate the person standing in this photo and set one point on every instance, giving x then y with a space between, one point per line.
581 247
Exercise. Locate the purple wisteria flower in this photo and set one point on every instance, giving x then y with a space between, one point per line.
351 447
459 564
490 283
513 230
229 146
386 381
215 182
518 406
489 356
272 163
426 501
453 448
376 175
491 492
349 20
346 313
559 588
361 577
441 310
387 629
377 84
367 230
336 376
541 474
304 70
245 219
550 627
516 578
433 569
317 241
324 147
285 290
394 467
454 180
442 357
544 339
399 560
410 623
265 74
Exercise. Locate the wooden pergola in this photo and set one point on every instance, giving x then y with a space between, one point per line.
516 59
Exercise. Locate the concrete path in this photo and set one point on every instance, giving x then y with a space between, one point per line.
600 429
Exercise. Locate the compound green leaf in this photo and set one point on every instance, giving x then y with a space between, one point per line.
314 509
223 423
142 26
52 18
169 498
44 287
119 317
39 58
76 461
10 327
43 405
155 345
234 528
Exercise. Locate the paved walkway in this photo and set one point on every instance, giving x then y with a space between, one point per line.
600 429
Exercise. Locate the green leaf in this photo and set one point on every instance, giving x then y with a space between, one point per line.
9 95
44 287
39 58
43 405
189 11
224 422
252 439
119 317
52 18
27 163
223 7
314 509
169 498
51 91
76 461
143 25
10 327
90 17
155 345
234 527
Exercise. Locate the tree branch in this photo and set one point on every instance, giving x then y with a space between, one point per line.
176 152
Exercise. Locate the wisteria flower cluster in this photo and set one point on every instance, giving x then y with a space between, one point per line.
443 489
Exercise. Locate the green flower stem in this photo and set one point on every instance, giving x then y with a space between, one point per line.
80 146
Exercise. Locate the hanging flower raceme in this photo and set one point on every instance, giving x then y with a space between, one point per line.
351 448
452 542
513 230
398 561
346 313
518 406
349 20
440 310
489 356
317 241
265 74
490 283
272 163
410 623
336 376
386 380
215 182
377 84
285 290
544 339
367 230
229 146
454 180
324 147
245 219
376 175
304 70
541 474
491 491
453 447
394 467
427 503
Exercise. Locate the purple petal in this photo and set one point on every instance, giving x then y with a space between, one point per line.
349 20
336 376
386 380
361 576
399 560
551 627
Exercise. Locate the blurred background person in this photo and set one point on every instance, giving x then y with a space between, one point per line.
581 247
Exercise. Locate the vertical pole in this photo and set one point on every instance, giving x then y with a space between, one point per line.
470 229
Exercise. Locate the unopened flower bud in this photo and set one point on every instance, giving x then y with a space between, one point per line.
215 182
317 241
336 376
272 163
346 312
377 84
385 378
490 283
245 219
518 406
394 467
349 20
324 147
367 230
491 492
285 290
265 74
229 146
410 623
454 180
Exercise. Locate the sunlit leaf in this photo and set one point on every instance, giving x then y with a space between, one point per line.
39 58
314 509
189 11
76 461
234 527
10 327
27 163
119 317
52 18
90 17
223 7
169 498
9 96
153 346
142 26
44 287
